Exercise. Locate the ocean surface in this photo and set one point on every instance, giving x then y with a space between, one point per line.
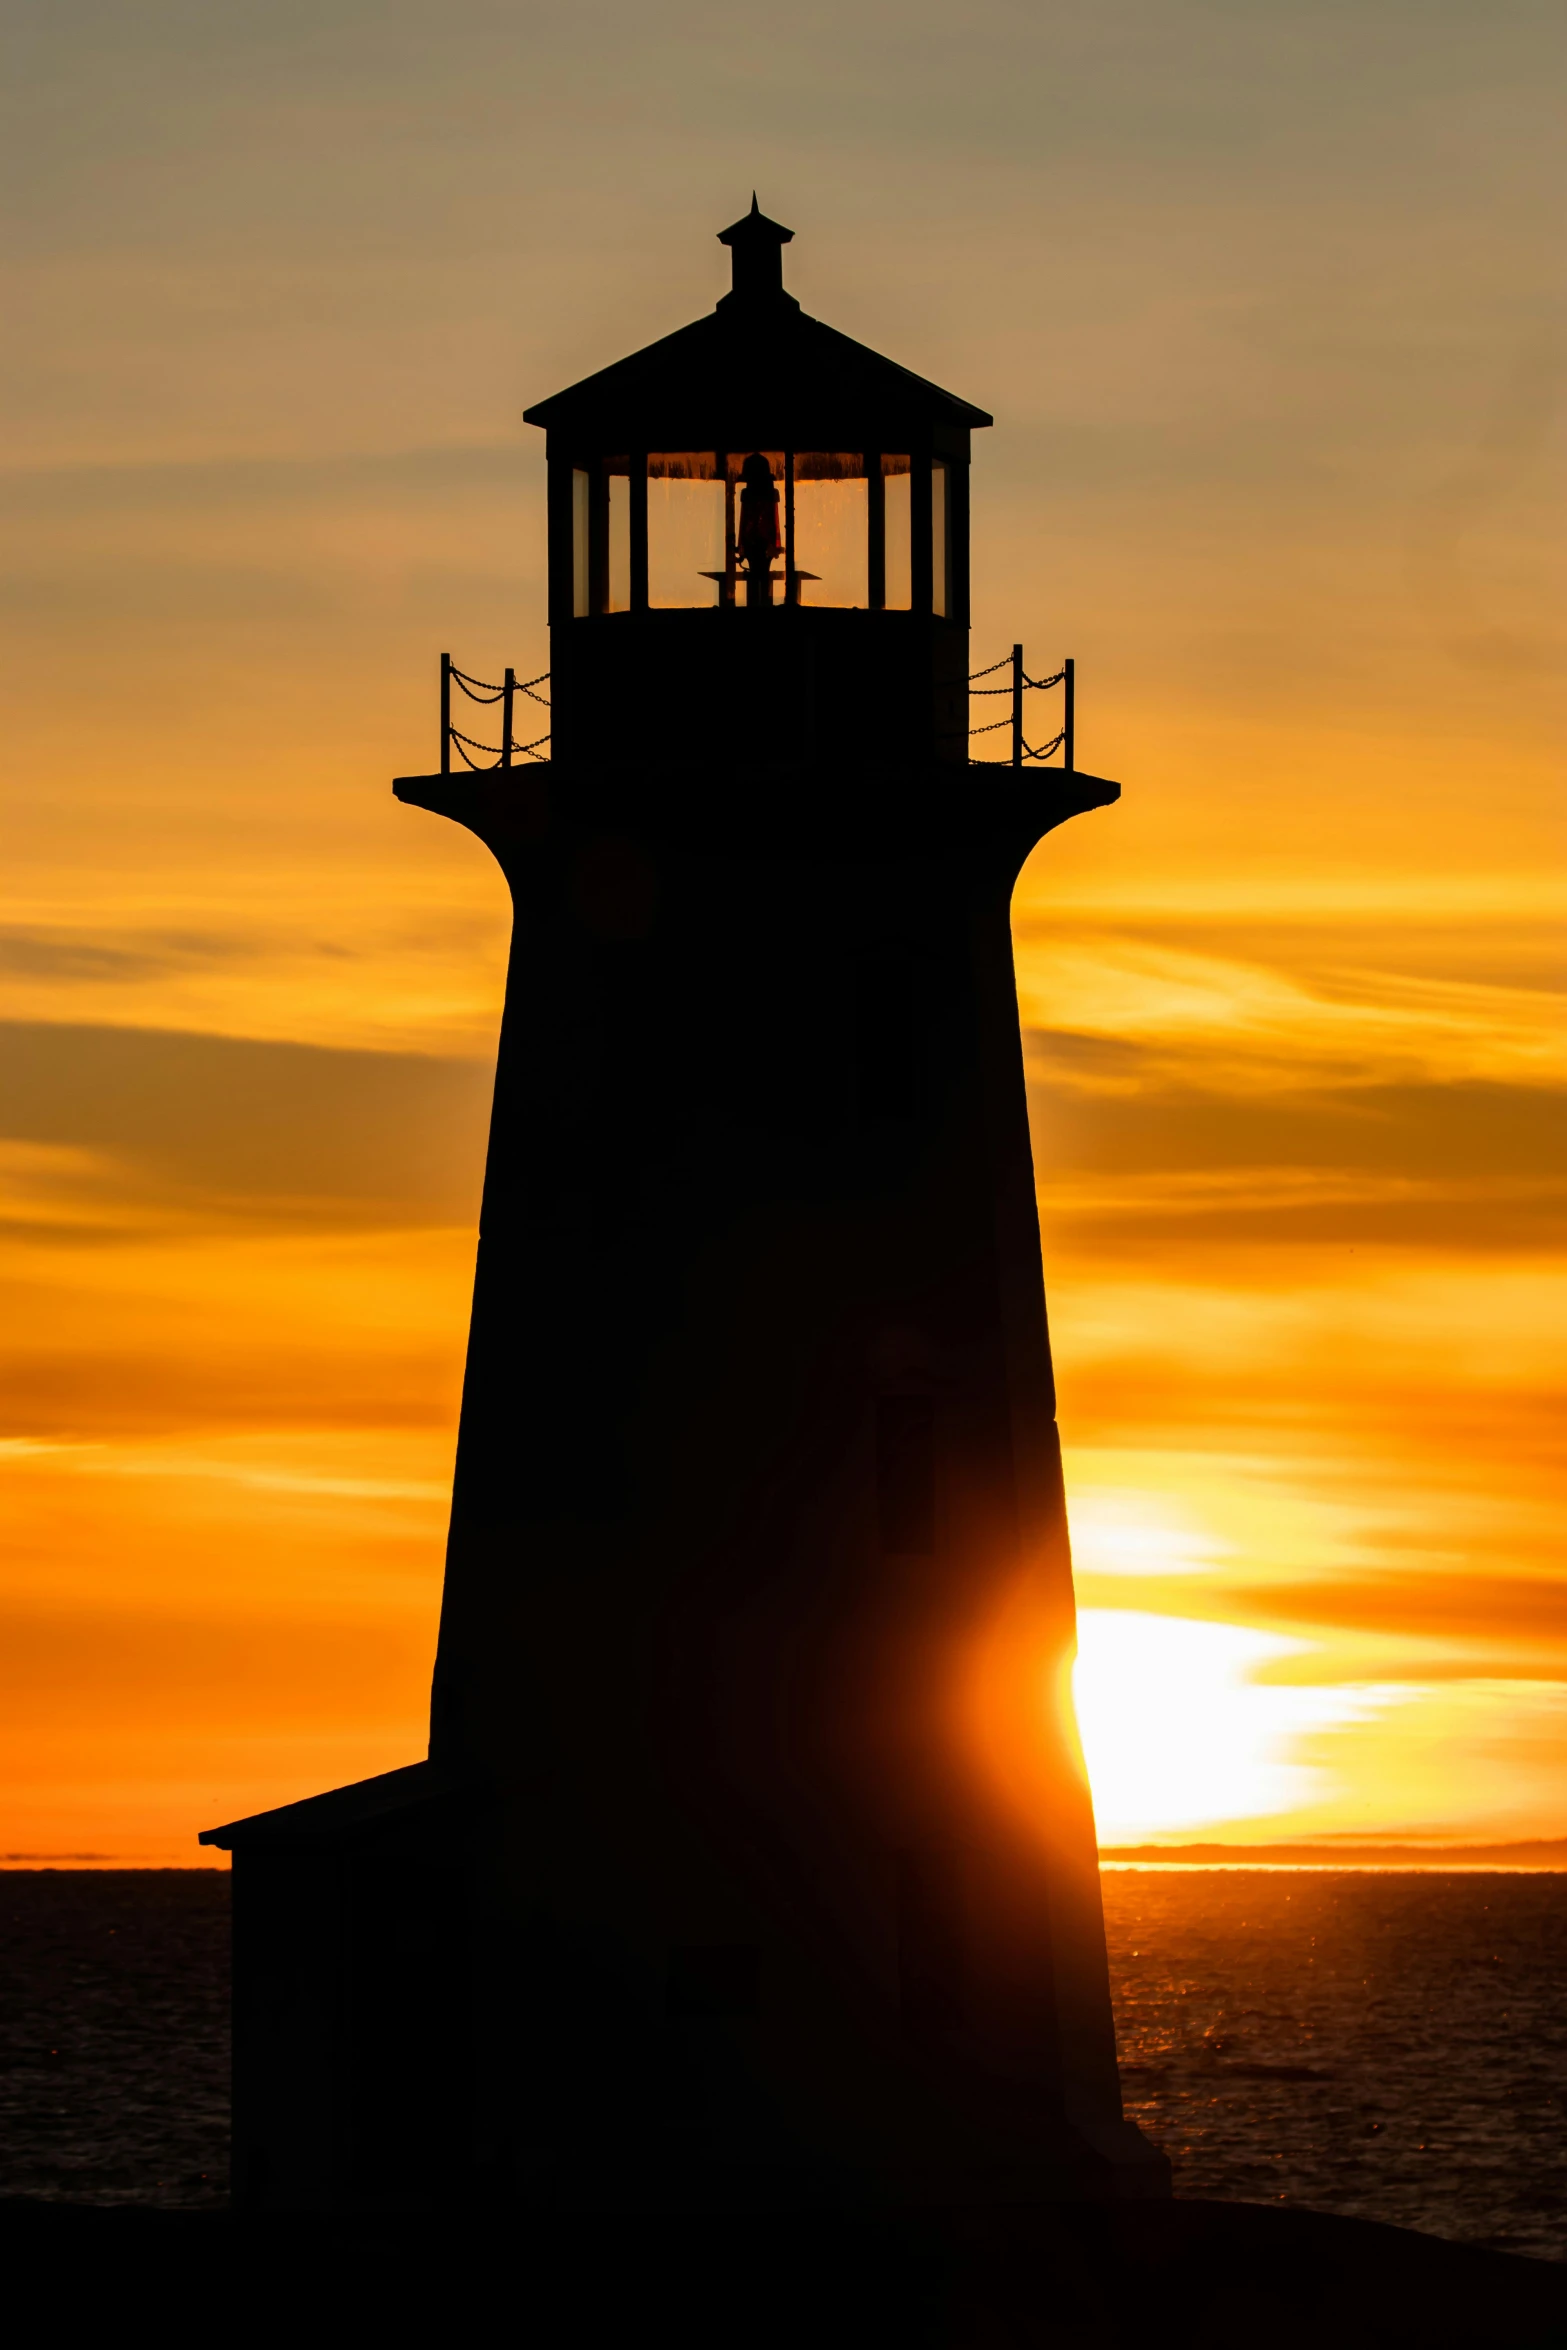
1390 2045
114 2035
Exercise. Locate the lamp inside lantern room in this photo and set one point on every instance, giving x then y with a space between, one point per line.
758 541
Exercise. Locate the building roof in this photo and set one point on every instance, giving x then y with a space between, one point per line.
756 372
340 1811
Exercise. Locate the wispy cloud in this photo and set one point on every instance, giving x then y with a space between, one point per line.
172 1131
1233 1025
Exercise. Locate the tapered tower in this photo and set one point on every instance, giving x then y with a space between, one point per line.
753 1862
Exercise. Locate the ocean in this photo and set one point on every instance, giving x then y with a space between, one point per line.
1391 2045
1388 2045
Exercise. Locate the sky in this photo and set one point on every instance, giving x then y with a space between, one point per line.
1265 298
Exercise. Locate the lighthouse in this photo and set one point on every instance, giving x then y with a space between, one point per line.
752 1865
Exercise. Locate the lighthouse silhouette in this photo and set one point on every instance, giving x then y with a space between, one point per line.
752 1866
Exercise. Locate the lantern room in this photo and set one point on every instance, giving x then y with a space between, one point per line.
758 541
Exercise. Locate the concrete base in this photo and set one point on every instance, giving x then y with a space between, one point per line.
1102 2277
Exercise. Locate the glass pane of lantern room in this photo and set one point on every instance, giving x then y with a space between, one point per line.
685 529
617 573
581 576
832 528
897 480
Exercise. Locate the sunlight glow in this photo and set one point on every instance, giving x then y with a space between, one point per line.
1177 1731
1119 1531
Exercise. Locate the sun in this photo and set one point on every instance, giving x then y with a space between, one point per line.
1178 1732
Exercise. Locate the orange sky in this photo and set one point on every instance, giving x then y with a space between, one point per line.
1263 303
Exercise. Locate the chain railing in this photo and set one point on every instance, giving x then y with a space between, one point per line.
477 689
508 749
1019 684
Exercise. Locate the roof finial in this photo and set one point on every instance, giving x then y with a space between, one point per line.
756 249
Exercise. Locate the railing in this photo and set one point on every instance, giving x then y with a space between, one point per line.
1019 684
495 754
503 753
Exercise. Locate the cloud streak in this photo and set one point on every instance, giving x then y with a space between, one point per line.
229 1131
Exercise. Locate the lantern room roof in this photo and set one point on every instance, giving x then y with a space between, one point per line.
756 372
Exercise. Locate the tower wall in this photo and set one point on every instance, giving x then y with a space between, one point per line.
758 1605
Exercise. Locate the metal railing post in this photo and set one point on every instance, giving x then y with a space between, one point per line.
1017 705
446 713
1069 722
508 704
